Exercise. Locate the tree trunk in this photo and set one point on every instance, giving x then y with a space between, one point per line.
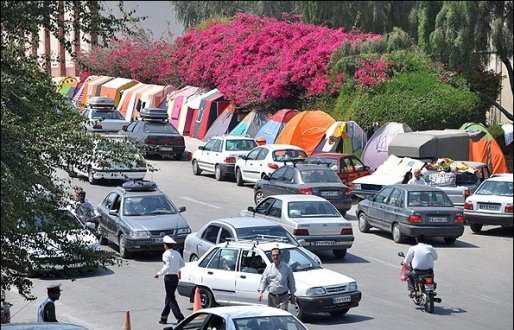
493 102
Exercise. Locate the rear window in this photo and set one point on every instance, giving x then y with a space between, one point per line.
428 199
99 114
321 175
288 154
165 128
237 145
259 232
495 188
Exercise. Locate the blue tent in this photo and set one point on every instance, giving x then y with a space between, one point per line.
274 126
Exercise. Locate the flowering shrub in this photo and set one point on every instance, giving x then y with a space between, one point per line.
372 72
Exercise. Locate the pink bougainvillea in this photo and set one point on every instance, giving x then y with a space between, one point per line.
372 72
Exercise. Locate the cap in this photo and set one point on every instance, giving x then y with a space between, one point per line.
54 288
168 240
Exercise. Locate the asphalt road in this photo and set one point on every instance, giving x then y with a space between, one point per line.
474 276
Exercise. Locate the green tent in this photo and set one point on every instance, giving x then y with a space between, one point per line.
474 127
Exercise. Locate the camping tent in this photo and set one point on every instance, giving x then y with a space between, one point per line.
485 149
306 130
161 100
274 126
128 101
448 143
345 137
93 88
77 99
188 110
175 104
115 87
250 124
211 104
149 95
376 149
223 124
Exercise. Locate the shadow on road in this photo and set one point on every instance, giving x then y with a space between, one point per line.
327 319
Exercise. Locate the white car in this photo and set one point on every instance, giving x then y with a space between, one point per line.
254 317
219 155
313 220
265 159
100 116
491 204
103 167
230 273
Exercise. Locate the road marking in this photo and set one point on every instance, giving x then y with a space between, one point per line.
206 204
387 263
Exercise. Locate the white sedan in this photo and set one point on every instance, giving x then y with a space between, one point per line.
263 160
491 204
311 219
241 317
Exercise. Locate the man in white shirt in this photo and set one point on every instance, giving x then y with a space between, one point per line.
417 179
278 278
172 263
421 258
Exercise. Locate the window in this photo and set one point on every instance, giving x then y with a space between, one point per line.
98 114
217 146
263 154
224 259
289 175
156 127
279 173
211 233
263 207
251 262
131 126
253 154
396 198
109 200
381 197
85 113
225 235
276 209
210 145
236 145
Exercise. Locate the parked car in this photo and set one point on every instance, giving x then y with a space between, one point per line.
136 217
155 135
100 165
254 317
347 166
305 179
491 204
102 117
264 160
230 273
235 228
411 210
311 219
219 155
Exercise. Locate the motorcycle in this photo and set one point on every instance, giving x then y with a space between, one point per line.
424 285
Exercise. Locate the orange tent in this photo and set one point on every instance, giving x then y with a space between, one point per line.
306 130
93 88
489 152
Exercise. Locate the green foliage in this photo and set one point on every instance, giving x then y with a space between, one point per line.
496 131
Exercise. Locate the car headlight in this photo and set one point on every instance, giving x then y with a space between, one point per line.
357 186
184 231
318 291
139 234
352 286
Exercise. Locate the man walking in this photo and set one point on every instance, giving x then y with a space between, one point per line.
172 263
279 280
46 311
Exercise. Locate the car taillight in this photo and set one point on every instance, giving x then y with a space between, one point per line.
459 218
466 193
150 141
230 160
305 190
346 231
179 274
301 232
468 206
97 126
429 280
273 166
347 191
414 218
508 208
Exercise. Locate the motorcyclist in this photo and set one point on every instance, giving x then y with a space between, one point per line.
420 258
85 210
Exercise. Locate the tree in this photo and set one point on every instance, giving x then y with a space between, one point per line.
39 132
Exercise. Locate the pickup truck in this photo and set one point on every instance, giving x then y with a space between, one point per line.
396 170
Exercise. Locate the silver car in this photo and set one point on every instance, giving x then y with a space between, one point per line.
101 116
137 216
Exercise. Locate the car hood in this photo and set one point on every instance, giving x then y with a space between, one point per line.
311 278
156 222
379 179
72 236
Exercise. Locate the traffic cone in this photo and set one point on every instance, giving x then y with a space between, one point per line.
126 322
197 303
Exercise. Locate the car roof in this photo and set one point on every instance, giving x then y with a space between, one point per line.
236 312
415 187
264 245
503 177
246 222
281 146
299 197
304 166
331 155
232 137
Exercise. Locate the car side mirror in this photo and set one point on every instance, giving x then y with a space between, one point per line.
181 209
266 177
400 254
201 148
113 212
251 209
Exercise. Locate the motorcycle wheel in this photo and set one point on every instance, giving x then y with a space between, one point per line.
429 303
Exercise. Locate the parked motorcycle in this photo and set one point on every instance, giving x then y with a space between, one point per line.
424 287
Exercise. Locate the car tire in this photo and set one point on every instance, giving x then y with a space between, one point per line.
450 240
341 253
475 227
258 196
398 237
340 312
193 257
90 177
299 312
122 244
364 226
206 298
102 239
239 177
196 168
218 174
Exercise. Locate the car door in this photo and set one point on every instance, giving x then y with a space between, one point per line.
376 208
204 161
391 208
216 154
287 183
108 222
248 278
272 186
220 274
248 165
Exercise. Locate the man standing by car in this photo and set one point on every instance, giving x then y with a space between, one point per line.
278 278
417 179
46 311
85 210
421 258
172 263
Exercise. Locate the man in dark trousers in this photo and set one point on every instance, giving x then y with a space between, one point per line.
46 311
172 263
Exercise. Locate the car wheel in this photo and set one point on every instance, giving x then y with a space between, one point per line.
339 253
398 237
90 177
475 227
206 298
193 257
450 240
258 197
340 312
196 168
217 173
123 247
299 312
103 240
364 226
239 177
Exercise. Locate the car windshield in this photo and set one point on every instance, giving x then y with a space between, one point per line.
147 205
109 114
66 215
500 188
237 145
319 175
268 322
160 127
311 209
265 232
428 199
297 259
288 154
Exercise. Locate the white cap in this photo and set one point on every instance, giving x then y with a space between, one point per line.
168 240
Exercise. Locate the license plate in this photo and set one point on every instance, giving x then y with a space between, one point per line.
489 207
156 240
325 243
438 219
329 194
429 287
166 148
338 300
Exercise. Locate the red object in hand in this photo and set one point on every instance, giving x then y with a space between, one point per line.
403 272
